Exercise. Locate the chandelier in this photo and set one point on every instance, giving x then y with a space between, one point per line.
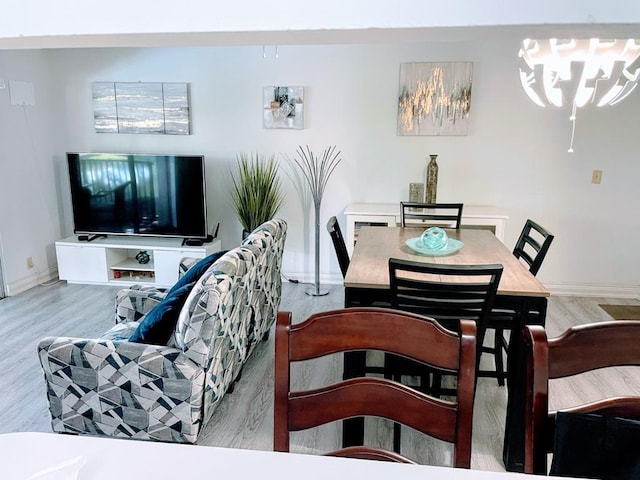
576 72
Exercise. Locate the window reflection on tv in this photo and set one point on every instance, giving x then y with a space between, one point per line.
138 194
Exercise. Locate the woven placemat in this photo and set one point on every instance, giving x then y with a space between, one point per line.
622 312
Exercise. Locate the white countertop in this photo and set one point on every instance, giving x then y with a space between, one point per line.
51 456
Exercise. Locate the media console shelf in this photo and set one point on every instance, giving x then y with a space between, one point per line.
388 215
112 260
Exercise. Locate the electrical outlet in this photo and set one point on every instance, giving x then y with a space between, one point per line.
29 262
596 176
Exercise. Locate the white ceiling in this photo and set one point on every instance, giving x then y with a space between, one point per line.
126 23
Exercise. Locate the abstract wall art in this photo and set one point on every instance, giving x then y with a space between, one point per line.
283 107
434 98
141 107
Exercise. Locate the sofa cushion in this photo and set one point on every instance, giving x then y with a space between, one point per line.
197 270
157 326
120 331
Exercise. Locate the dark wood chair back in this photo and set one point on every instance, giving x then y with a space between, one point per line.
445 215
333 227
580 349
357 329
532 245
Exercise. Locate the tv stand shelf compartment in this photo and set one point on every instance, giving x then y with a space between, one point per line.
112 260
388 215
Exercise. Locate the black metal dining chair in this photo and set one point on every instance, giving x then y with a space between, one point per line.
531 249
445 215
446 293
333 227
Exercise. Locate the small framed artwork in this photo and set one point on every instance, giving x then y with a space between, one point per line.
416 192
283 107
434 98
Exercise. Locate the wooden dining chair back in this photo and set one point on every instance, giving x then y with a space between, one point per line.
445 215
531 249
579 349
358 329
333 227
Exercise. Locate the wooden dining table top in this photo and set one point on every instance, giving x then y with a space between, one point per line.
369 266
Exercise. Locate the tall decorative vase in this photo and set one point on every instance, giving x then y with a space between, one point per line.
432 180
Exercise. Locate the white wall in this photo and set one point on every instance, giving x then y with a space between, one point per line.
514 157
29 194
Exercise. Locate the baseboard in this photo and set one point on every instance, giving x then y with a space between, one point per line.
305 277
615 291
577 290
33 280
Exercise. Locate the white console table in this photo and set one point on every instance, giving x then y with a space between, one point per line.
111 260
388 215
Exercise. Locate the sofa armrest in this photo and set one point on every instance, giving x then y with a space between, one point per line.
122 389
135 302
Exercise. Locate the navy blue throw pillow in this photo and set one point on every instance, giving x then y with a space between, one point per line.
195 272
157 325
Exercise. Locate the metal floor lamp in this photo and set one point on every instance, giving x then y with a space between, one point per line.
316 171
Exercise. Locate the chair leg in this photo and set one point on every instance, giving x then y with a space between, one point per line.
397 429
498 341
436 385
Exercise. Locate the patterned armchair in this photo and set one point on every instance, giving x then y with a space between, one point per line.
111 386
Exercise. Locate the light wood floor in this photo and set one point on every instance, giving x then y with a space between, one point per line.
244 418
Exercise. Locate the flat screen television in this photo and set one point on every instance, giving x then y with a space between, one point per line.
138 194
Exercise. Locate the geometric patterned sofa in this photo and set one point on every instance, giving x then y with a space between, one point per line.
110 386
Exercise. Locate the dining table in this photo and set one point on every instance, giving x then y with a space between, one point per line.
367 283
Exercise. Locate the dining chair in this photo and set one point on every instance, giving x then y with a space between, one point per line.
446 215
373 298
333 227
531 249
588 440
446 293
352 329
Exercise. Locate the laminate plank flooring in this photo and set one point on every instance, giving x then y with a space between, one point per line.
244 418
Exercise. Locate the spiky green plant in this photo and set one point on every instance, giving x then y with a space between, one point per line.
256 192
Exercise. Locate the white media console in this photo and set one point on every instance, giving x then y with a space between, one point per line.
112 260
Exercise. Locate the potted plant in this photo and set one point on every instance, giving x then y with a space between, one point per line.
256 191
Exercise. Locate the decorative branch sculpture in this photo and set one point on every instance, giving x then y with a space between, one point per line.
316 170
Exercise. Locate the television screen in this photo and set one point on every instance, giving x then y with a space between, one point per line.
138 194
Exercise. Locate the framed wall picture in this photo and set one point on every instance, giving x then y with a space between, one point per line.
283 107
141 107
434 98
